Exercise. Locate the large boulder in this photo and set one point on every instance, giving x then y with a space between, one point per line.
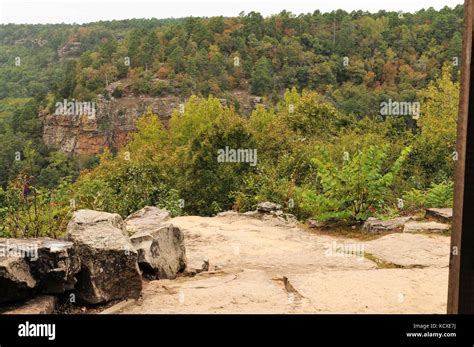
145 219
56 267
53 263
109 267
161 251
91 217
16 281
160 245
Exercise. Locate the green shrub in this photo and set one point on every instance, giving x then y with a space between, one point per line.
355 189
207 185
438 195
30 211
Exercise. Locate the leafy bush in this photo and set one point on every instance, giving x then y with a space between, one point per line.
356 188
118 92
207 184
30 211
438 195
161 88
136 177
309 114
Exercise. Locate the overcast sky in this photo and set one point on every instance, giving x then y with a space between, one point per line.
84 11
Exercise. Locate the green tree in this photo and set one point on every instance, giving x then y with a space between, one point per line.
262 77
357 188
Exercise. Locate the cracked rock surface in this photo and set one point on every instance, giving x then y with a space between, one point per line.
257 266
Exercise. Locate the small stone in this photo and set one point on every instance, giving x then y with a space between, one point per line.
390 225
196 266
267 207
205 265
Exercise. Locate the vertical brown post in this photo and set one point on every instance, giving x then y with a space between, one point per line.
461 262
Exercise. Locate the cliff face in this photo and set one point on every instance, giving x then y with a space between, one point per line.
114 121
70 50
73 134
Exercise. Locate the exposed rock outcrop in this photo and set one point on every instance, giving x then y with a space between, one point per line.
69 50
97 263
276 270
111 126
115 118
411 250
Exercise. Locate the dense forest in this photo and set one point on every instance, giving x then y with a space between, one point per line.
325 144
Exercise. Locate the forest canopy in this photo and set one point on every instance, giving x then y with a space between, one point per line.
325 149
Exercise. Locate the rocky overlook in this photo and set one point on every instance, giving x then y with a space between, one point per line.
261 261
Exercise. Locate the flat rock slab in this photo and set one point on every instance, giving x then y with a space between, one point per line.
265 268
443 215
431 227
44 304
390 225
253 291
248 291
411 250
375 291
243 242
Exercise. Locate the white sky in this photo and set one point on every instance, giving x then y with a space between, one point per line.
84 11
